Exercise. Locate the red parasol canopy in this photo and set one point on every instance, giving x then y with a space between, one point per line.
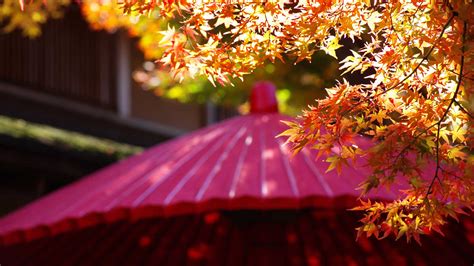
234 165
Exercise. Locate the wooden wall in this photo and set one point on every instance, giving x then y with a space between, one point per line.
67 60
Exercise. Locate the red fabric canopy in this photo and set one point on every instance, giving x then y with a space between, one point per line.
234 165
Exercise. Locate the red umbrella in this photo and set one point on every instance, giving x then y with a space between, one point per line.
230 194
234 165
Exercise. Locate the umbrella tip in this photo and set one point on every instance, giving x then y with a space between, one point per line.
263 98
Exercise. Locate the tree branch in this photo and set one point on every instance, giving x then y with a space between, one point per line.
453 100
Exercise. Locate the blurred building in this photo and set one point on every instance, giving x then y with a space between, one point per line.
80 80
76 78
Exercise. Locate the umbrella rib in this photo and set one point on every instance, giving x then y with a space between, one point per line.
318 174
289 171
195 168
183 181
99 190
152 188
135 183
141 178
263 172
141 181
218 165
240 163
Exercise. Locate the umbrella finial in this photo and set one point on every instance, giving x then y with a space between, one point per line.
263 98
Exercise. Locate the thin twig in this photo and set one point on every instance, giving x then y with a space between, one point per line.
413 71
453 100
464 109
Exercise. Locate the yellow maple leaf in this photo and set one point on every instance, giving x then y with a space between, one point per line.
332 46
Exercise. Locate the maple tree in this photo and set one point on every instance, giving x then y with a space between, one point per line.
29 17
417 103
294 91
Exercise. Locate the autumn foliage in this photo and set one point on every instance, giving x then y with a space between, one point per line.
28 17
417 104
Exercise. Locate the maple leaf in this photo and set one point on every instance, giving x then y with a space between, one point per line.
332 44
459 133
379 117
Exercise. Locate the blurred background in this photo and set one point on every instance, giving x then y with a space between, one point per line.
82 91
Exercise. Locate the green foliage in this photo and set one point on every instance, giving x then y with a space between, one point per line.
18 128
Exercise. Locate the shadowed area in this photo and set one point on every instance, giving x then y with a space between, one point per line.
308 237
